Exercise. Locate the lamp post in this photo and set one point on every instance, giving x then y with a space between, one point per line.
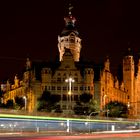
133 108
69 81
107 111
90 116
25 102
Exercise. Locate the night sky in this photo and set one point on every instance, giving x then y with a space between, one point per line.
31 28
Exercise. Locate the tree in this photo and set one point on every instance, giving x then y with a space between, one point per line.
94 107
19 102
116 109
54 98
46 95
48 102
58 109
85 97
1 98
83 106
10 104
44 100
1 103
79 108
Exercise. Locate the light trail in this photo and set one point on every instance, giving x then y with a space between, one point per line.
75 137
12 116
27 123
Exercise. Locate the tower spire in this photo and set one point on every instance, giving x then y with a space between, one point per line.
70 19
70 8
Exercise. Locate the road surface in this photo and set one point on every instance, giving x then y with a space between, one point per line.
116 136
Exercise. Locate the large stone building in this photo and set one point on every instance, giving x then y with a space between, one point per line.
73 76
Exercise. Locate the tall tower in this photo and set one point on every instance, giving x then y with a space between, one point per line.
69 38
128 77
137 90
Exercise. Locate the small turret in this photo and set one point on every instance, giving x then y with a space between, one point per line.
28 64
107 65
16 81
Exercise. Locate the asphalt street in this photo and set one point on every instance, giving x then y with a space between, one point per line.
116 136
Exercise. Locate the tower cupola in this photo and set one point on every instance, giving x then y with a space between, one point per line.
69 38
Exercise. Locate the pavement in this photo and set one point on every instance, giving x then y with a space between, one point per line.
55 133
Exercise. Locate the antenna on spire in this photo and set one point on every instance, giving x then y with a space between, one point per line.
70 8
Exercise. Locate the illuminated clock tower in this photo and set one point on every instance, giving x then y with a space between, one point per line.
69 38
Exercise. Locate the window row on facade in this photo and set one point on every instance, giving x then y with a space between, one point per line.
64 88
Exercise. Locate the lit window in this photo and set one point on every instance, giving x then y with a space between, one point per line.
75 97
58 88
64 97
64 88
75 88
58 79
81 88
53 87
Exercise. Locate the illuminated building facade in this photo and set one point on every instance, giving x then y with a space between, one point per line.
52 77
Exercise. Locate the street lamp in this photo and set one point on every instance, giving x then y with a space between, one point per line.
107 111
128 105
90 116
132 108
70 81
25 102
105 96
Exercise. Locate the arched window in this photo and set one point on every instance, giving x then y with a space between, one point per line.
72 38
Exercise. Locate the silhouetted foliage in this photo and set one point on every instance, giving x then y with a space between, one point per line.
1 93
58 109
46 96
94 107
48 102
20 102
85 97
1 103
86 105
55 98
10 104
78 108
116 109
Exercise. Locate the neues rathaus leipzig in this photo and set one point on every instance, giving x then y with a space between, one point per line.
98 81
